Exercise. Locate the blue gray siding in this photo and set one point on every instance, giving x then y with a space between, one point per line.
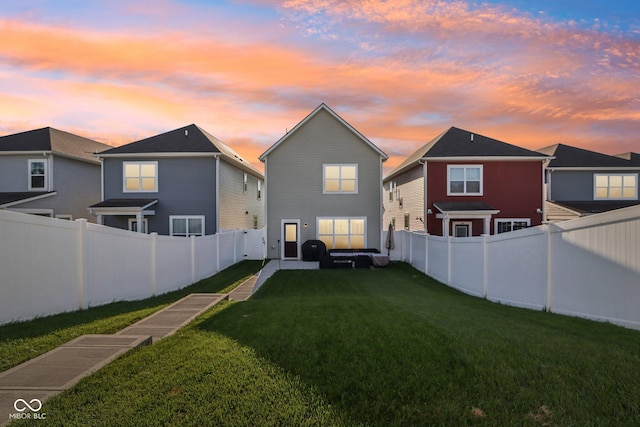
576 185
186 186
77 184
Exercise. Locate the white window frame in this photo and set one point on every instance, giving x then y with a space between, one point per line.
349 218
340 165
609 175
124 177
465 192
30 176
187 218
245 182
259 189
145 224
67 217
511 220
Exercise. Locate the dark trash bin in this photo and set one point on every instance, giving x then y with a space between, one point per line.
312 250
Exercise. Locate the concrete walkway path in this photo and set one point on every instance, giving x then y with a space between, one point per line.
24 388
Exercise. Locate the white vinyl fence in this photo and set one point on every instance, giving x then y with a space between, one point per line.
587 267
49 266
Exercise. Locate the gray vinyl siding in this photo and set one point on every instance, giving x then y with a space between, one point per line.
294 173
576 185
186 186
410 186
238 207
76 183
14 172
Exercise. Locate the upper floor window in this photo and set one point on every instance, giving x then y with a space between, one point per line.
464 180
616 186
340 179
140 177
245 180
37 174
259 190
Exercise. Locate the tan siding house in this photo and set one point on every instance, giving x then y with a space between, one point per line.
323 182
403 201
241 203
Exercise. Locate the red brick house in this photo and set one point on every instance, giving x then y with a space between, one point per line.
463 184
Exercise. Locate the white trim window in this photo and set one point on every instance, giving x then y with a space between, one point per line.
245 182
37 174
464 180
259 190
140 177
340 179
186 226
343 233
462 228
615 186
504 225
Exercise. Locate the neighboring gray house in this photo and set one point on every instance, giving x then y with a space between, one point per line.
184 182
324 181
582 182
49 172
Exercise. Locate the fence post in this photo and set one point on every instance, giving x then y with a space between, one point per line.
81 259
410 247
549 264
193 259
426 253
154 264
448 260
217 251
485 265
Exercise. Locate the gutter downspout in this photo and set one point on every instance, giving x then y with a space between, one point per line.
49 170
217 196
425 207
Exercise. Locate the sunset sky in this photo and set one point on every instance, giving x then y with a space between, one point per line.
532 73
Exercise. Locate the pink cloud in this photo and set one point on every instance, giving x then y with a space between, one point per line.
400 71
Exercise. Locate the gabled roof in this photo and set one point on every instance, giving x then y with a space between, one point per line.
567 156
323 107
17 198
459 143
186 140
634 158
52 140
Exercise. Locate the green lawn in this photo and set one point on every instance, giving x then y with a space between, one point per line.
373 347
25 340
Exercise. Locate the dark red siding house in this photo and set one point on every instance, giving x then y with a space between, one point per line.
468 185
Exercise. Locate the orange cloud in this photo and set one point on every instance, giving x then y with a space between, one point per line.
409 70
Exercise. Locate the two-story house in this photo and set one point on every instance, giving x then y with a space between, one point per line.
463 184
582 182
49 172
323 183
184 182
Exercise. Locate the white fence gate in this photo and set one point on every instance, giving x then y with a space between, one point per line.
49 266
587 267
